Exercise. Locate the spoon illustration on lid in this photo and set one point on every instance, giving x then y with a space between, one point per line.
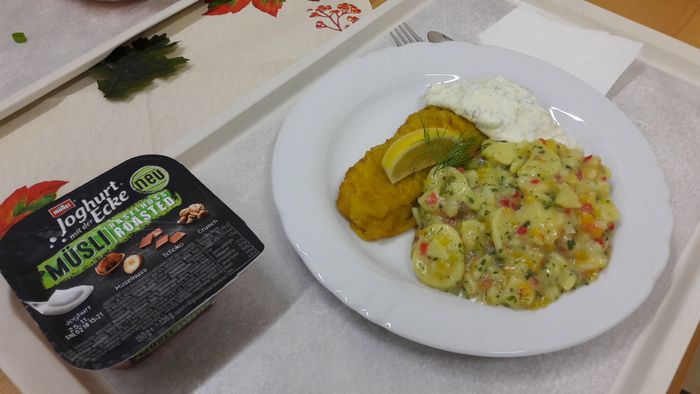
62 301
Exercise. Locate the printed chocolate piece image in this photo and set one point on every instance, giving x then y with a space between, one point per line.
147 240
161 241
133 263
175 238
192 213
109 263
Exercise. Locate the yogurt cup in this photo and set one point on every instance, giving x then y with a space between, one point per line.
113 269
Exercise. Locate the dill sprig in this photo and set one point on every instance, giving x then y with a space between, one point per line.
460 154
457 156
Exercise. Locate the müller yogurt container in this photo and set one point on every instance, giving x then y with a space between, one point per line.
116 267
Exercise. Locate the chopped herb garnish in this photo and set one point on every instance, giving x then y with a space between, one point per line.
133 67
19 37
457 156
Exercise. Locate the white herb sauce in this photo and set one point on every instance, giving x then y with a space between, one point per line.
499 108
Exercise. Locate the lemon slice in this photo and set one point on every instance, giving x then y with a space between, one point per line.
437 256
411 153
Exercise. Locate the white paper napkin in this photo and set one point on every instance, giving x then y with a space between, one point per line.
596 57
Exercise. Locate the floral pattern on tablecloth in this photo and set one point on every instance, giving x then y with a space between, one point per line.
25 200
220 7
335 18
226 67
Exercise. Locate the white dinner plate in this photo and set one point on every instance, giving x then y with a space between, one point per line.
361 103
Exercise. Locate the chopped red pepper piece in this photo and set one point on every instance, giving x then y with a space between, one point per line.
611 226
579 175
460 169
535 181
522 230
432 198
423 248
587 207
505 202
587 158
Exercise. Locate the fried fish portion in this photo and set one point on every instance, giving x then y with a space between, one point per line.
375 207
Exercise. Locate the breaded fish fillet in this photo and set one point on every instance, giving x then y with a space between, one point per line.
375 207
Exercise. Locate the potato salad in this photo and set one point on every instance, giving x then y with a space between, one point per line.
521 224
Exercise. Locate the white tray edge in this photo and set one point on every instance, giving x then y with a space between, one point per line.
287 87
71 70
665 336
659 349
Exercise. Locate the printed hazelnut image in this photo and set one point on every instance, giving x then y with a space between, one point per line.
192 213
133 263
109 263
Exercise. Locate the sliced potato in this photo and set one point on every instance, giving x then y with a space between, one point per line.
566 197
438 258
500 152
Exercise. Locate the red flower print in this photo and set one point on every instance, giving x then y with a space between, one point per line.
220 7
339 17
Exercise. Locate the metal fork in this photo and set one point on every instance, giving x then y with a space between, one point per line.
403 34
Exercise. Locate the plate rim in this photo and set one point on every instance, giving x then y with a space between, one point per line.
338 291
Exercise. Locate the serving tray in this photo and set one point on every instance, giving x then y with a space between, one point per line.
280 315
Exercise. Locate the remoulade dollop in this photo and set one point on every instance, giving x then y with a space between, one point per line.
499 108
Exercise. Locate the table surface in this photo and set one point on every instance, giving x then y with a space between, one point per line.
299 306
677 18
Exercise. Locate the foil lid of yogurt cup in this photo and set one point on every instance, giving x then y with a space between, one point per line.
113 267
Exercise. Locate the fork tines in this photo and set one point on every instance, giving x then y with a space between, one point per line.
403 34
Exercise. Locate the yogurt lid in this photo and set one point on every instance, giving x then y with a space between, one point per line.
110 269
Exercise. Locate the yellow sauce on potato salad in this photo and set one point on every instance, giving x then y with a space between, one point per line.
520 225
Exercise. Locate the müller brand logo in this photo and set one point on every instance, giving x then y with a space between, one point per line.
61 208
